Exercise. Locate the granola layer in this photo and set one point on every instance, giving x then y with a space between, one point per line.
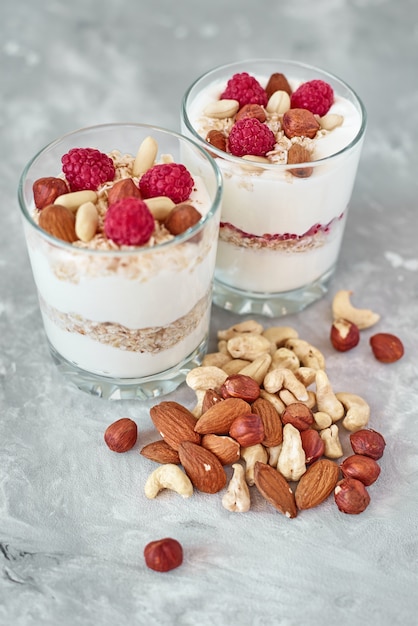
151 340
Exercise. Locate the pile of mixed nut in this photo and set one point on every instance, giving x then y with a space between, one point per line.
266 406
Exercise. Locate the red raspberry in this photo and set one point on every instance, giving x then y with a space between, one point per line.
87 168
315 95
129 222
167 179
246 89
250 136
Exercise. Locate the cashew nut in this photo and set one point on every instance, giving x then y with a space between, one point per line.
308 355
292 457
306 375
237 495
358 411
283 357
321 420
326 399
216 359
197 409
330 437
250 455
278 335
342 308
274 453
247 327
234 366
223 347
206 377
287 397
280 378
168 476
258 368
274 400
248 346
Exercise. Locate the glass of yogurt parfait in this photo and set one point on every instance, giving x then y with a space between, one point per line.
287 138
122 240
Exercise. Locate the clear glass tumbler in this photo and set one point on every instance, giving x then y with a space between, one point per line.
126 322
282 223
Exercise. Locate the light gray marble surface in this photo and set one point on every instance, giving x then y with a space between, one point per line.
73 516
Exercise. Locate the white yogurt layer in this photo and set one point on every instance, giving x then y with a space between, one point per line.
266 242
127 315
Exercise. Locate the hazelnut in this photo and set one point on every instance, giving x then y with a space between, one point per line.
299 415
312 444
351 496
210 398
47 190
251 110
248 430
121 435
163 555
300 123
361 467
217 139
240 386
344 335
182 217
124 188
386 348
368 442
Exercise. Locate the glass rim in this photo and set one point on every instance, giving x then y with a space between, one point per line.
178 239
274 166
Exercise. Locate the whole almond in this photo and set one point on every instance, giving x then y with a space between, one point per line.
46 190
275 489
277 82
225 448
316 484
160 452
219 417
387 348
202 467
59 222
300 123
182 217
124 188
174 422
299 154
273 429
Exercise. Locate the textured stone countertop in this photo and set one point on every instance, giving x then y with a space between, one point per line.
73 516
